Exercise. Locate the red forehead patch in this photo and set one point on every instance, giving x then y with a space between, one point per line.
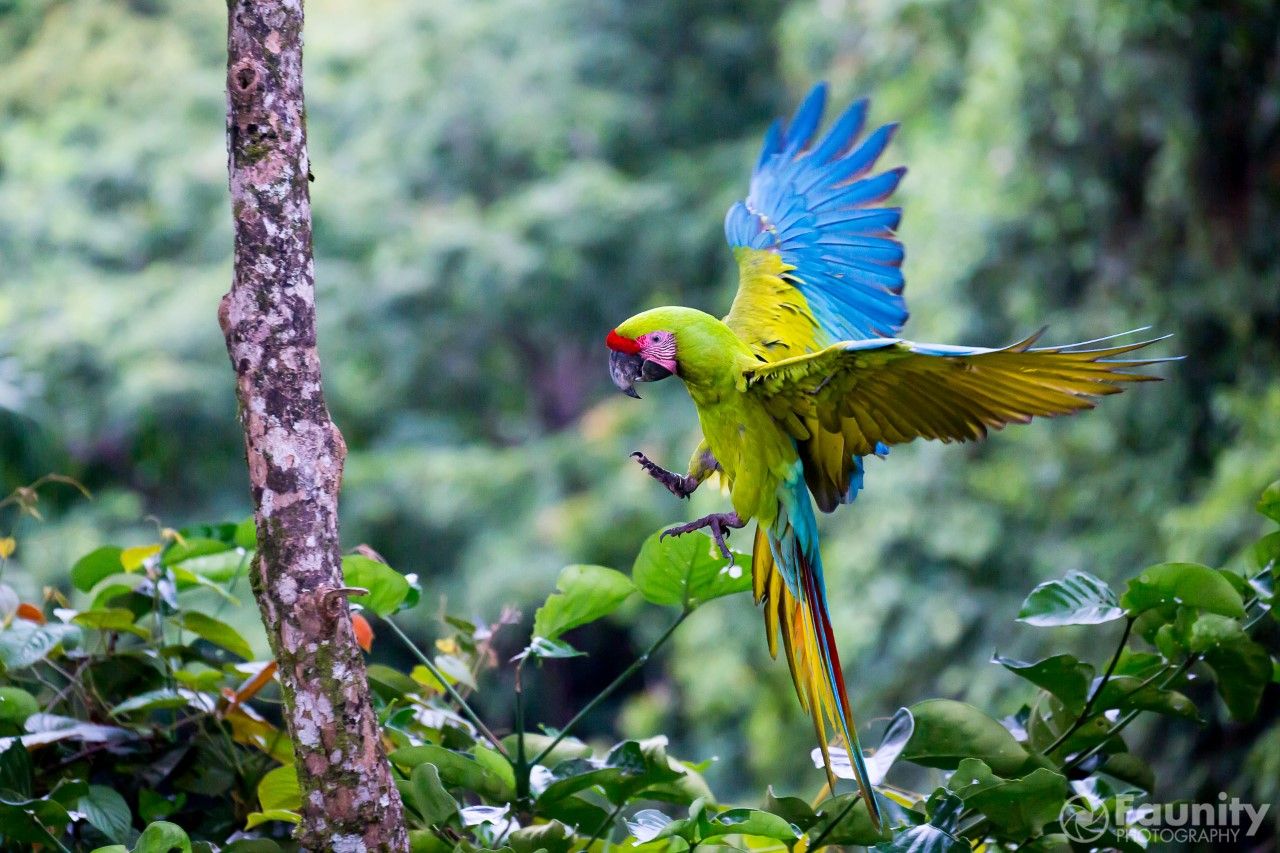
618 343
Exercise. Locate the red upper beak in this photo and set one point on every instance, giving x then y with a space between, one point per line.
618 343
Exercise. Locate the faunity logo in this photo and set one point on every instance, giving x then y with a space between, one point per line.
1085 818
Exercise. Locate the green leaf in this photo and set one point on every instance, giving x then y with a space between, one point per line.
108 812
1186 584
193 546
947 732
586 594
219 567
217 632
687 569
1269 503
1129 768
1020 807
536 742
1064 676
751 822
162 837
936 836
791 809
432 802
111 619
553 837
1077 599
456 770
851 827
16 705
387 587
1241 670
25 644
279 790
495 763
246 535
631 767
1121 692
94 566
258 818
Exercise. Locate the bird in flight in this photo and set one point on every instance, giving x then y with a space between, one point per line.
805 377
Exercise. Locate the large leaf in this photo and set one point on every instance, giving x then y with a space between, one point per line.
1126 693
936 836
165 697
894 740
750 822
852 823
689 569
163 837
16 705
1020 807
1269 503
630 767
387 587
1241 670
586 594
535 742
108 812
456 770
25 643
111 619
1182 584
433 803
94 566
279 789
217 632
1062 675
1077 599
947 732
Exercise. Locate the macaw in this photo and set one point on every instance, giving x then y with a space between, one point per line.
805 378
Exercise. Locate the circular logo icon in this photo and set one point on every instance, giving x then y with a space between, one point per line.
1081 822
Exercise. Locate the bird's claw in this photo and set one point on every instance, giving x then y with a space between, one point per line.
720 524
677 484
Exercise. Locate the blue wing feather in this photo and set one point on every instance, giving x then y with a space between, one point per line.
815 207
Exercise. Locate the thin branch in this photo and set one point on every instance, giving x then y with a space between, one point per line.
1093 698
448 688
613 685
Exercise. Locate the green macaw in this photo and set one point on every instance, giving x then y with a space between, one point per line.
804 378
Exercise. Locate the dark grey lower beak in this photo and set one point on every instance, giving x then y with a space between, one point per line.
626 370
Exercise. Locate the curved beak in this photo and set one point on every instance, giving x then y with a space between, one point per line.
626 369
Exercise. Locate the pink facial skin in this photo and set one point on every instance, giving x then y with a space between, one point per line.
660 348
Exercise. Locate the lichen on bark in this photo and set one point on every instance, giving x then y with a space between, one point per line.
294 451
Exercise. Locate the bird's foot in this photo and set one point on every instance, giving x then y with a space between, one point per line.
678 484
721 524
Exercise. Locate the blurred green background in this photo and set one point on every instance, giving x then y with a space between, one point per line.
500 182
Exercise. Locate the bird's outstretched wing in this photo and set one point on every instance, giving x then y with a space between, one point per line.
887 391
817 257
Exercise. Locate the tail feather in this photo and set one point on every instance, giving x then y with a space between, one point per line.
787 576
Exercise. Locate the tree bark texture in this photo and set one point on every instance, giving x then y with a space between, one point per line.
294 451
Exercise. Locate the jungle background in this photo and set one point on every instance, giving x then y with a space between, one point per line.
498 183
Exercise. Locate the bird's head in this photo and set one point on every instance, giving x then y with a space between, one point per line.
640 356
666 342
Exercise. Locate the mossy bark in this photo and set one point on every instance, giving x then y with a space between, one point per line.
295 453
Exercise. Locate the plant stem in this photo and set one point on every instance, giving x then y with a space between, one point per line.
1093 697
1129 717
604 827
521 762
448 688
822 836
613 685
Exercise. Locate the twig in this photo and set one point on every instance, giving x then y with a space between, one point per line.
448 688
613 685
1093 698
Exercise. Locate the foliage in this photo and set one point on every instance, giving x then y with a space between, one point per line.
135 719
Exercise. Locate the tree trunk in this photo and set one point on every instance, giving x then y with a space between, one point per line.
295 452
